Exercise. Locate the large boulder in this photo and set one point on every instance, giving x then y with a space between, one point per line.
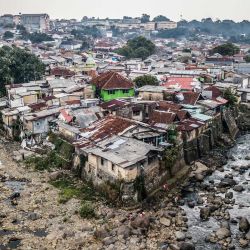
141 222
165 221
227 182
223 233
205 213
238 188
229 195
244 225
101 233
124 231
199 177
187 246
180 235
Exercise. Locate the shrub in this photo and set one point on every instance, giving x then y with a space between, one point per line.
69 189
87 210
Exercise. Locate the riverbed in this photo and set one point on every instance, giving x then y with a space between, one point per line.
201 229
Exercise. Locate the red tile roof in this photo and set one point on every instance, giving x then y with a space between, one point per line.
215 91
62 72
190 97
48 98
189 124
106 127
164 105
113 104
72 102
160 117
183 82
37 106
112 80
68 118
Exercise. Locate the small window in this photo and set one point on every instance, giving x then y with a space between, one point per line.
102 161
38 124
136 112
125 91
111 92
113 167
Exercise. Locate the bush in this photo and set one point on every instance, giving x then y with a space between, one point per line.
137 47
230 96
69 189
87 210
52 160
141 81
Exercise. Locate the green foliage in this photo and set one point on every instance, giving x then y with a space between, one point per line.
110 190
139 186
146 80
138 47
87 210
86 31
69 189
85 44
230 96
18 66
247 59
174 33
172 134
8 35
227 49
62 147
51 161
37 37
186 50
170 157
145 18
160 18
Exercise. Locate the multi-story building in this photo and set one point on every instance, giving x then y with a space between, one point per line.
166 25
35 22
149 26
7 19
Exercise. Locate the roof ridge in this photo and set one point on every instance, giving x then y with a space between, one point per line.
113 74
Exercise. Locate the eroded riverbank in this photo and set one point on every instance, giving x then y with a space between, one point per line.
35 219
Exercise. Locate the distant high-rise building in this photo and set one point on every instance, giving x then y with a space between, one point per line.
6 19
35 22
165 25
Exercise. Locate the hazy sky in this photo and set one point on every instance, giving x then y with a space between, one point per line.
190 9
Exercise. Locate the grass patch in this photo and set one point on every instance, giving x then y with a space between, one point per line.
48 162
69 189
87 210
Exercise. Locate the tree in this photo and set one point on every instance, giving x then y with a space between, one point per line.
8 35
230 96
160 18
227 49
18 66
247 59
37 37
138 47
186 50
141 81
145 18
85 44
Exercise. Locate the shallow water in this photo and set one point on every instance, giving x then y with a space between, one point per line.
200 229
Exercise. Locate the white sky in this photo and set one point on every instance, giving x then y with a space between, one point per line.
190 9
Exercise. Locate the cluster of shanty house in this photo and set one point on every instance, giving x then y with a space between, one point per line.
122 132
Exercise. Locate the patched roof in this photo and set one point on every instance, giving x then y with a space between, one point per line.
190 97
106 127
161 119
